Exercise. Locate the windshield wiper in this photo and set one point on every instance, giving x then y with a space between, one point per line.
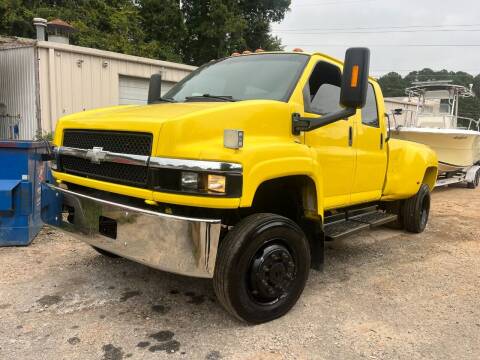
163 99
210 96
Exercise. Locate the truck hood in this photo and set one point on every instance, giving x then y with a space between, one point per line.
188 130
135 118
125 115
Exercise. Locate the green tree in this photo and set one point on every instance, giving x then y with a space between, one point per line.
476 85
214 30
110 25
3 16
259 14
393 84
191 31
217 28
13 18
164 27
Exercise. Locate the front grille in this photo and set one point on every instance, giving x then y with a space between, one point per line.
114 141
113 172
122 142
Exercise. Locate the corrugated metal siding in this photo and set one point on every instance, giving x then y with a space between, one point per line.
74 81
18 90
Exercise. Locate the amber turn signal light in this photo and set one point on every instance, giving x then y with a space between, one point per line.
354 81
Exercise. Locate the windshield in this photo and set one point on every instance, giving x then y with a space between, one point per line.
263 76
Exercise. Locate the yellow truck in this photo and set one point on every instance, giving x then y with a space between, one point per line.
241 172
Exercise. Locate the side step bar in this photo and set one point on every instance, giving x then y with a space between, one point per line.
353 224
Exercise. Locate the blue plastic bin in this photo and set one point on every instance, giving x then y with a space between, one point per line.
22 171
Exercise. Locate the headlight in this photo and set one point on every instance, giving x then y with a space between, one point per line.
195 182
195 177
216 183
189 181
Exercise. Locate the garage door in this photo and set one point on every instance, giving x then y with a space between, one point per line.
134 90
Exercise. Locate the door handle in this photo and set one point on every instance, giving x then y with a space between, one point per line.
350 136
381 141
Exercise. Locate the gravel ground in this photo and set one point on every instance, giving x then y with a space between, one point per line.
384 294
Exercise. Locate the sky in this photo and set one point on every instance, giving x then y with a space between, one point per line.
386 26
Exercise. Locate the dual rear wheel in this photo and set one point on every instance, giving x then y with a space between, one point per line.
415 210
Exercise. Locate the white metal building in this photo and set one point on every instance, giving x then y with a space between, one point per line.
41 81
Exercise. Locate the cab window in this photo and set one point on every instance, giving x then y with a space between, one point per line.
370 110
322 92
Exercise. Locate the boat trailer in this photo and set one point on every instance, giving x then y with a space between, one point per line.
469 176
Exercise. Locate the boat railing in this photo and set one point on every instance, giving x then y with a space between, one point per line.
468 123
403 117
411 118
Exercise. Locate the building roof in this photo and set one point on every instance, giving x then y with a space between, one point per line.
10 42
112 55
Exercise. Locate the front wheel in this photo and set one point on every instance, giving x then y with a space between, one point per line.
262 267
416 209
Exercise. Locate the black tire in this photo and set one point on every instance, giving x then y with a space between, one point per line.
105 252
416 210
262 267
475 182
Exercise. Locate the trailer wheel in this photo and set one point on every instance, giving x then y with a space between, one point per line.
105 252
475 182
262 267
416 210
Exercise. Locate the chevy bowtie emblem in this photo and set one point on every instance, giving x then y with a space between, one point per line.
96 155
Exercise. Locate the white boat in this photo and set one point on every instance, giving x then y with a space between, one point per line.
436 123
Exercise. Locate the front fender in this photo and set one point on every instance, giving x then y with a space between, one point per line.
273 162
409 165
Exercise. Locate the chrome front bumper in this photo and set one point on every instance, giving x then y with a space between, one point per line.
176 244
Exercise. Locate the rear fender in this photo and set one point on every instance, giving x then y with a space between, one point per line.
409 166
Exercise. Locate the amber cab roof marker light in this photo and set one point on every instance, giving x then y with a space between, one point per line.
259 50
246 52
235 54
297 50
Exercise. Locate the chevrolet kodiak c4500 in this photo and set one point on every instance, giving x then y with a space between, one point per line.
240 173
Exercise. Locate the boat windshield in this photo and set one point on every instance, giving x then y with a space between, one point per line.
444 108
260 76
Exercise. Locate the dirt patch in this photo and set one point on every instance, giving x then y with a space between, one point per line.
383 294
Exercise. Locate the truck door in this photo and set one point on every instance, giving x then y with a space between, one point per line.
332 143
369 142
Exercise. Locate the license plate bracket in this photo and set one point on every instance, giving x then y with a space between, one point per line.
107 227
